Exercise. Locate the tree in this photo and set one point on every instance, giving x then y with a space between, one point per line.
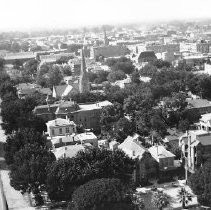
110 115
99 194
148 70
30 67
2 63
7 87
101 77
159 63
160 200
25 46
15 47
66 174
64 59
116 75
138 202
147 169
87 97
123 128
67 71
18 140
29 170
17 64
55 76
200 183
135 78
184 197
124 64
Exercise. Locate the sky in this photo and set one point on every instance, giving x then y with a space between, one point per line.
35 14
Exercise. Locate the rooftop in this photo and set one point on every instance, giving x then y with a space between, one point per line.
68 151
85 136
198 103
98 105
132 148
59 122
160 152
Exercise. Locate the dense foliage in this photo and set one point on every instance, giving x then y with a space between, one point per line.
100 194
66 174
200 183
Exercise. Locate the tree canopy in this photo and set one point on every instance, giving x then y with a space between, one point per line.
66 174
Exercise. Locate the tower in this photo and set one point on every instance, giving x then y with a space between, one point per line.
106 41
83 80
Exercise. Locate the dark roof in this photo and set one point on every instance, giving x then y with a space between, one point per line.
44 109
60 89
67 107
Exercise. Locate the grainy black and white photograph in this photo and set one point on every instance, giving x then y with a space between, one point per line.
105 105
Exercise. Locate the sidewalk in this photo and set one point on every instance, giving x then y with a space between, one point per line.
15 200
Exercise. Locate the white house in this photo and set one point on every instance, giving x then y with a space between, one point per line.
162 156
60 127
68 151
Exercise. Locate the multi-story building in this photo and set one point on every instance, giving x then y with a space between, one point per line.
109 51
60 127
196 148
87 114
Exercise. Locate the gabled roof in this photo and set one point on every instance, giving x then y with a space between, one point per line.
132 148
158 152
60 90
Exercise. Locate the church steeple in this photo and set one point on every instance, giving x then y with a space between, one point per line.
83 81
106 41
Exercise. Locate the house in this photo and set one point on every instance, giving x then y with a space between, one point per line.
87 137
196 148
61 91
21 56
68 151
60 127
132 147
173 137
205 122
108 51
66 108
203 106
146 166
46 112
87 114
162 156
72 139
27 89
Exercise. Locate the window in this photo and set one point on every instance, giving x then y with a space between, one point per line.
67 130
53 133
60 130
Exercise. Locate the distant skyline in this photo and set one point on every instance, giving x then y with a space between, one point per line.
51 14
